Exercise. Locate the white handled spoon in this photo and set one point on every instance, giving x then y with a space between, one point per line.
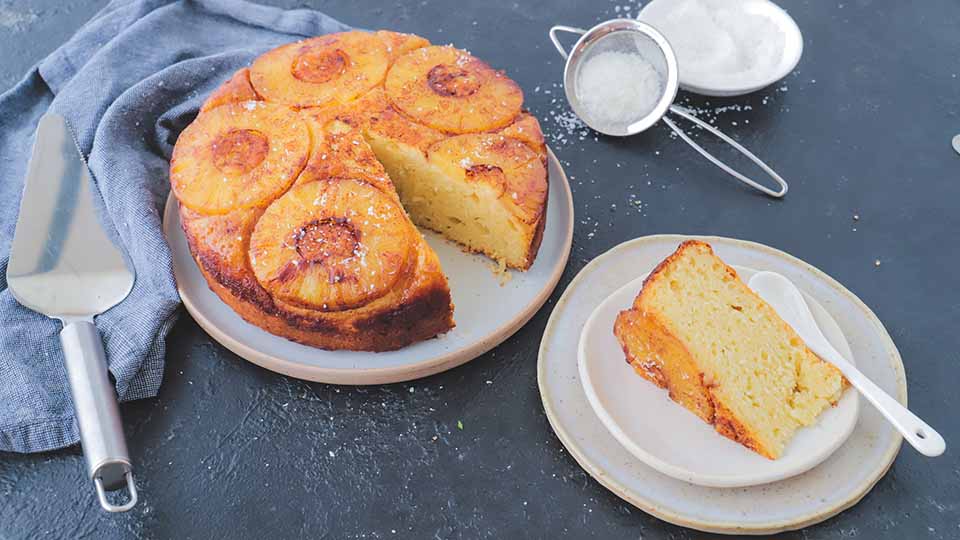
788 302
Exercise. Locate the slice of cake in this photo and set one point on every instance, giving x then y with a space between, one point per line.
723 353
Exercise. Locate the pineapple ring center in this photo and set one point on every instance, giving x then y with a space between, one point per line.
319 65
487 173
239 151
328 238
452 80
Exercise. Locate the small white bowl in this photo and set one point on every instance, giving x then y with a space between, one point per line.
792 51
674 441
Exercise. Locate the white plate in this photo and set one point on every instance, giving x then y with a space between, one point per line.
486 311
792 51
827 489
676 442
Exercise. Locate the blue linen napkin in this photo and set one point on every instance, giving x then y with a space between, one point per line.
128 82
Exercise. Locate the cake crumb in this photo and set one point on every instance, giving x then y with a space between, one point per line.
499 269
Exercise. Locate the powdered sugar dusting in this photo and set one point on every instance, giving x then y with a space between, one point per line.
618 88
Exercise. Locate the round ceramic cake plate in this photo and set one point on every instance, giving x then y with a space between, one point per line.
675 441
488 309
836 484
792 51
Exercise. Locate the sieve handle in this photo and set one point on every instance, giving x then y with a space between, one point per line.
556 40
687 115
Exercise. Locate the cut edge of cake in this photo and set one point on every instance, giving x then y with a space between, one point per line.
517 199
756 390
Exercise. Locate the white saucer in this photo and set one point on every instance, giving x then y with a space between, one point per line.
676 442
728 86
836 484
487 312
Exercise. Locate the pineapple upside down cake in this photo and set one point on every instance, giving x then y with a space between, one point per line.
302 179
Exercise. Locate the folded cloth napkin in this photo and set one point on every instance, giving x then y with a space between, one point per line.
128 82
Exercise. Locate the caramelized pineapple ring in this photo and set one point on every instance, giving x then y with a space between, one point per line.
237 88
509 167
315 71
373 113
339 151
527 130
399 43
332 245
238 155
450 90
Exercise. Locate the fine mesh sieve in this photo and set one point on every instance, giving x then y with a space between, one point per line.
635 37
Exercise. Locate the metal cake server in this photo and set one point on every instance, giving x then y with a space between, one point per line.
63 264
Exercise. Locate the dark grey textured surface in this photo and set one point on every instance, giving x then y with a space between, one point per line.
862 127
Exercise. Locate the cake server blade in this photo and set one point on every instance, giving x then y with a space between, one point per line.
64 265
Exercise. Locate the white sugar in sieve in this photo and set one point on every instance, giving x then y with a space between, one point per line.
634 37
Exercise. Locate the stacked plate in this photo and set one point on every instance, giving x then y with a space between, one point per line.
650 451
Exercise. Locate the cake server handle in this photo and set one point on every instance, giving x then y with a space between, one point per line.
95 406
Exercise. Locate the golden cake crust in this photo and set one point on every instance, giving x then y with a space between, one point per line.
421 311
324 293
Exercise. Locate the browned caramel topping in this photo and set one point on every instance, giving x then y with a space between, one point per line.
487 173
319 64
323 239
239 151
452 80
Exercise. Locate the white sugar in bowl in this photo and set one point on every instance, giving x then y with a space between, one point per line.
727 47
